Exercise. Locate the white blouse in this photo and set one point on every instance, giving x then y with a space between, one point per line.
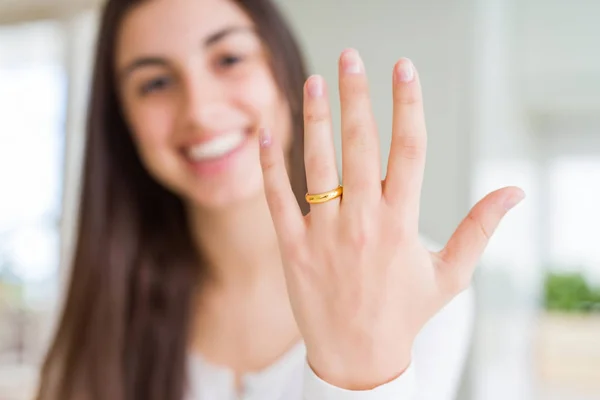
439 356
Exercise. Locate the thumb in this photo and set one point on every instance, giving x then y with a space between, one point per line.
467 244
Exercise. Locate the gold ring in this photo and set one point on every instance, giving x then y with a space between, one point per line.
324 197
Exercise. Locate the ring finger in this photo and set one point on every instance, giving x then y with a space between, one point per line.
319 150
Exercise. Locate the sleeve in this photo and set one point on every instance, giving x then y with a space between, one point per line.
402 388
441 349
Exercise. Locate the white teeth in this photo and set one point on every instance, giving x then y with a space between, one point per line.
217 147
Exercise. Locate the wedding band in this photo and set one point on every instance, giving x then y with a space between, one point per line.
324 197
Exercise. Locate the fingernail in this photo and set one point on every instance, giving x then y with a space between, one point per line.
351 62
405 71
264 138
315 86
513 200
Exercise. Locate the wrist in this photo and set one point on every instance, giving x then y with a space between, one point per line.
358 373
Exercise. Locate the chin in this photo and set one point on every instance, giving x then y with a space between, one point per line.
216 192
227 193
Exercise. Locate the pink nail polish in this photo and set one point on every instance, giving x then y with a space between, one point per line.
405 71
315 86
264 138
351 62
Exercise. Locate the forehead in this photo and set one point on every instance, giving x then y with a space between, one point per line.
170 27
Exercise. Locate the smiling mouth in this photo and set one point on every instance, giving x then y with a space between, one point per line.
217 147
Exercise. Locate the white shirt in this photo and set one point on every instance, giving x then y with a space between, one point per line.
439 356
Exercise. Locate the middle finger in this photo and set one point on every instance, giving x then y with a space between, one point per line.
361 167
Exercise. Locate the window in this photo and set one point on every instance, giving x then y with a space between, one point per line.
32 114
575 214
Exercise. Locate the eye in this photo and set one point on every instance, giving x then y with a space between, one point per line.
155 85
229 61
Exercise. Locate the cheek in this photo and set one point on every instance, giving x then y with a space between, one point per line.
270 107
151 126
285 121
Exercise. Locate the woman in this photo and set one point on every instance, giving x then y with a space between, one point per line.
196 274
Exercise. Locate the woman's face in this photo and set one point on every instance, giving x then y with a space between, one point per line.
196 85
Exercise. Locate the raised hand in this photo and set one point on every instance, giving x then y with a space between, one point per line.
360 282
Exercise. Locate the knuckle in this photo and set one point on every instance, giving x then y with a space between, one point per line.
411 147
407 97
268 164
358 240
357 135
276 201
363 184
355 131
320 166
480 226
316 117
269 161
396 231
359 235
354 87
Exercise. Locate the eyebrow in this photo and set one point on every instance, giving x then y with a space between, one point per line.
162 62
217 36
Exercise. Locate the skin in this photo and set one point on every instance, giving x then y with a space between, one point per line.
345 277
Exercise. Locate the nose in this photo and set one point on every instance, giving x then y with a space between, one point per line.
205 103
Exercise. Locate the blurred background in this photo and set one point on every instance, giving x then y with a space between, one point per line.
512 96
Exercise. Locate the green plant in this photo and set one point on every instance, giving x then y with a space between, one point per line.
570 292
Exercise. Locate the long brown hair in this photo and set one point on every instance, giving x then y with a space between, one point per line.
123 334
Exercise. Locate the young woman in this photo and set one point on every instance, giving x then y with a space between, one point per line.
202 271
